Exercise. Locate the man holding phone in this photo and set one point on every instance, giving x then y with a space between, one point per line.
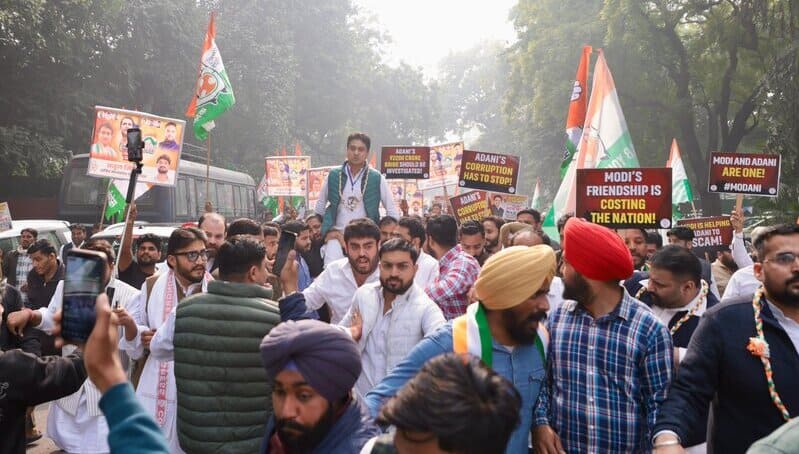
186 257
301 235
75 422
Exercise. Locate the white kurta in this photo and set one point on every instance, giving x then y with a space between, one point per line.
336 287
147 391
427 271
353 189
75 423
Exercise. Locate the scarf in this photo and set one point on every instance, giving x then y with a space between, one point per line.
471 334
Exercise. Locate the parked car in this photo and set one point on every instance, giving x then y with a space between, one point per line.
54 230
113 233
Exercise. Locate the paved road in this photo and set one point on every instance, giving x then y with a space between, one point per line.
44 445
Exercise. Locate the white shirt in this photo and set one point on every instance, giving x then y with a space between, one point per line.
555 295
388 338
739 254
790 325
353 188
742 282
336 287
665 314
427 271
162 345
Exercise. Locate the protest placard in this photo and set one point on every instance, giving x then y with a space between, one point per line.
489 171
316 178
506 206
5 217
163 142
472 205
445 166
744 173
287 175
710 234
405 162
619 198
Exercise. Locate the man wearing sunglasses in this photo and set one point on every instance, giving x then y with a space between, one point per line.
149 332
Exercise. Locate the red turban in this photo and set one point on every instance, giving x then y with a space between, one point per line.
595 251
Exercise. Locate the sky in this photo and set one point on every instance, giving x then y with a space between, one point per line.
425 31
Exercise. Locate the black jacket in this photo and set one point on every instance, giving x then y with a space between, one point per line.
719 370
10 267
12 302
682 336
26 381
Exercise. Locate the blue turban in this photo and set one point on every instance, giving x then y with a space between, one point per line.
326 357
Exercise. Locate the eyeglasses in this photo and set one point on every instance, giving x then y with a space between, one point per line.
783 258
193 256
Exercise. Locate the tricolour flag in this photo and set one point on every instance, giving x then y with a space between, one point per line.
605 142
536 203
680 186
577 106
214 94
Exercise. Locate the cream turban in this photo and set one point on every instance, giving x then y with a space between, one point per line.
513 275
508 229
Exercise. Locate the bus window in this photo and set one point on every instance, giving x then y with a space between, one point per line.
181 198
191 198
225 195
249 193
240 211
83 189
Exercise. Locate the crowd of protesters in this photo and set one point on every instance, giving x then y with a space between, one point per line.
409 334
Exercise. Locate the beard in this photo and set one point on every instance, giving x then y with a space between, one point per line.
783 292
308 437
146 260
729 263
192 274
491 244
578 290
395 285
363 265
524 330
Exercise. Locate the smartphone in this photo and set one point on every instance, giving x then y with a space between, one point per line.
285 245
83 281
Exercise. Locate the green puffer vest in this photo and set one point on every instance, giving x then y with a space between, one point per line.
371 200
224 398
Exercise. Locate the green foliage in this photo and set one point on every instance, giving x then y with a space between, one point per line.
301 70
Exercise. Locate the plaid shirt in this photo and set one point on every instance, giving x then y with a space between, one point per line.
457 273
24 266
606 377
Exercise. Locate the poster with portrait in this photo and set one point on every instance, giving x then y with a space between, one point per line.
287 175
445 166
163 142
316 178
506 206
5 217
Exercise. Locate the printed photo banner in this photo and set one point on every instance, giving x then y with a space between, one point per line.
470 206
316 178
163 142
489 171
405 162
710 234
744 173
5 217
506 206
287 175
445 166
619 198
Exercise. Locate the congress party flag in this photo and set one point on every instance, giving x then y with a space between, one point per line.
536 203
213 94
117 190
577 106
605 143
681 187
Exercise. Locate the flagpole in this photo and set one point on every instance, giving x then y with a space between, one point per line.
105 204
208 175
